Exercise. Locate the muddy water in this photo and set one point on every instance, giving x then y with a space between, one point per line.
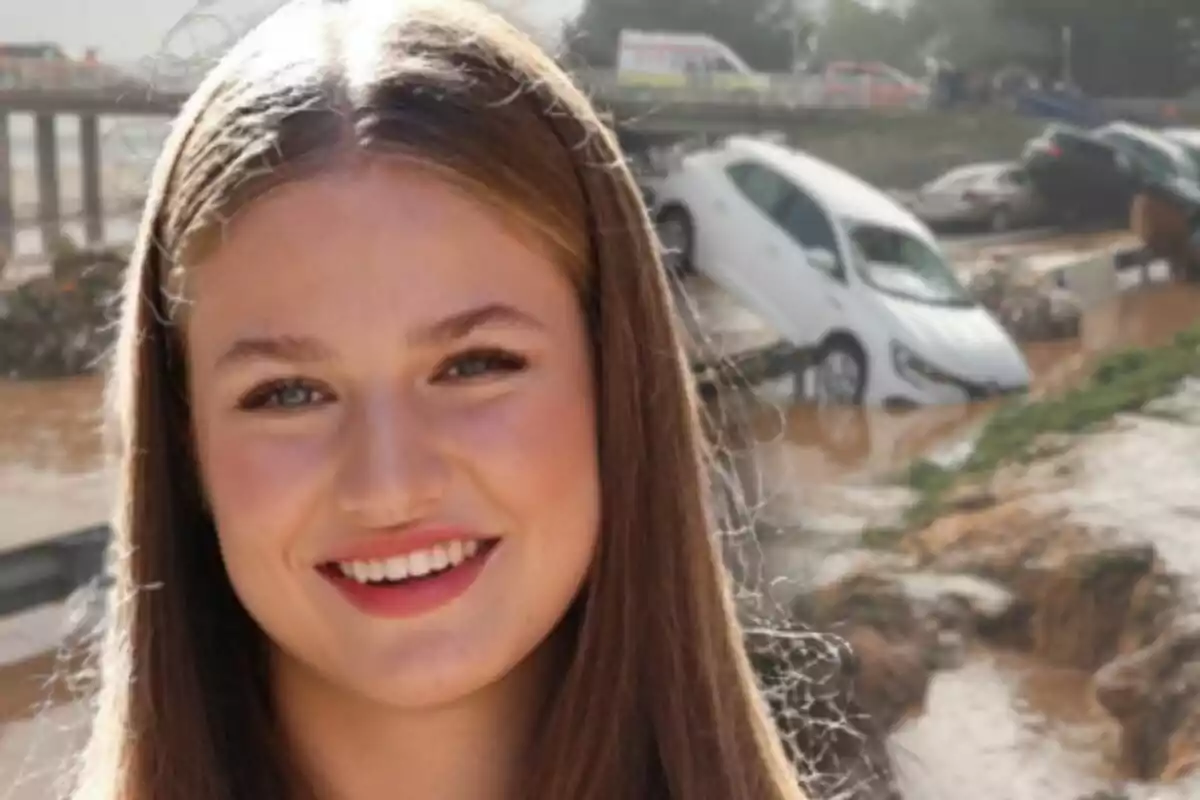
1017 731
53 475
837 446
987 723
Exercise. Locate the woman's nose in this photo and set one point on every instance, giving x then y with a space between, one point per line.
391 471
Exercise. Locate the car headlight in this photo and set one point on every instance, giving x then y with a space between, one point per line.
914 369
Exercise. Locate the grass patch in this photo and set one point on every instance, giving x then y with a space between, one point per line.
1120 383
881 537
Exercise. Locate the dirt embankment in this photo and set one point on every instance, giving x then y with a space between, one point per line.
60 324
1066 535
905 150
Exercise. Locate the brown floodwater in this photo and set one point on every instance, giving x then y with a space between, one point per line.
1007 728
991 723
54 477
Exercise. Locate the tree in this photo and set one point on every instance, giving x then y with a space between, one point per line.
967 33
1119 48
854 31
759 31
974 34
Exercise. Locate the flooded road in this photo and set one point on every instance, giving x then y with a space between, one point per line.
53 474
988 724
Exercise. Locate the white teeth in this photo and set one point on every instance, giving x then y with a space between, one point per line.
414 565
441 559
397 569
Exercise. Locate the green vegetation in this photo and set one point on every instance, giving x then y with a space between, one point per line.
1121 383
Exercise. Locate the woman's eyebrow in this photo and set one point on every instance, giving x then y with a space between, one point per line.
294 349
462 323
304 349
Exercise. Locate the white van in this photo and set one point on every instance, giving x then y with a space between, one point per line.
834 264
659 58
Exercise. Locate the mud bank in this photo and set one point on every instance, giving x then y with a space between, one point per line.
905 150
60 324
1066 535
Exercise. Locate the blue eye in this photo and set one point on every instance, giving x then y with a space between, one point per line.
476 364
286 395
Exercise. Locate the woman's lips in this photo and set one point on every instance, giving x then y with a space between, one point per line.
410 580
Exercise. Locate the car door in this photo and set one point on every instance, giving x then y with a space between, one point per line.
745 212
942 200
808 266
774 275
1026 204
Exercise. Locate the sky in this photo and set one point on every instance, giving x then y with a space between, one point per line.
127 30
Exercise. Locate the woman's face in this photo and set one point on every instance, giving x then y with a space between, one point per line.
393 413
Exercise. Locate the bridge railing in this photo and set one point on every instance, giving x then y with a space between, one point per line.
52 76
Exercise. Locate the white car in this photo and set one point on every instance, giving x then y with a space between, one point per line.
833 264
998 196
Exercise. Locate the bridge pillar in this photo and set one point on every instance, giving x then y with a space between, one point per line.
8 233
49 211
89 159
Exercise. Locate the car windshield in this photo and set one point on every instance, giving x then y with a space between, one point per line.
899 264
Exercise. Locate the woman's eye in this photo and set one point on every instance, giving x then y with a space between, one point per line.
475 364
285 395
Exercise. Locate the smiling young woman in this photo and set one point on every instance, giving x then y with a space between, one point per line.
413 498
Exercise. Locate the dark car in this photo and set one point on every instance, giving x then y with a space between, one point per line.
1080 176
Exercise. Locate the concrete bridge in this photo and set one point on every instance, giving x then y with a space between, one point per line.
49 90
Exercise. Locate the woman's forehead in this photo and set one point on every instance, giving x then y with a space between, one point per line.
386 245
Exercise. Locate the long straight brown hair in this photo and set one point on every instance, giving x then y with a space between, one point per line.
658 699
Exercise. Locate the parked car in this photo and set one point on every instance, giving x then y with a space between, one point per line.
836 266
1188 139
998 196
872 83
1166 210
1080 177
1152 156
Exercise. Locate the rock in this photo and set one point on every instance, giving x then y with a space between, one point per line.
958 601
895 648
809 681
1081 602
861 599
1154 693
892 681
1029 306
1078 596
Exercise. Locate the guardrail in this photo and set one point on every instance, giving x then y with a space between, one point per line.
52 570
50 76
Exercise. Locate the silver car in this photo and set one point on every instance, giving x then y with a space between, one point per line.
997 196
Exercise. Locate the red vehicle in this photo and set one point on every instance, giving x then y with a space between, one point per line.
873 83
43 66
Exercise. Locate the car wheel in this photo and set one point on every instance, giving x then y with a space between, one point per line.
677 240
840 373
1001 220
